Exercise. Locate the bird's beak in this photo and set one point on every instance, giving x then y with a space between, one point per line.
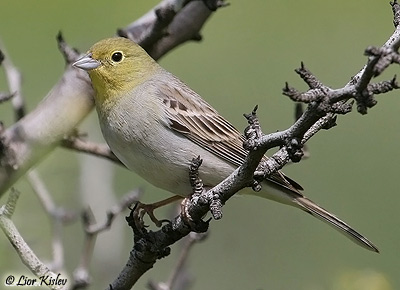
86 63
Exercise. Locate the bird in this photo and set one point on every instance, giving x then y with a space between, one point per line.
155 125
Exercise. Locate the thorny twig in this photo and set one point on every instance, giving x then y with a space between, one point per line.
324 104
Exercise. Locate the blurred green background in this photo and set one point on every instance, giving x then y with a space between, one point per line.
249 50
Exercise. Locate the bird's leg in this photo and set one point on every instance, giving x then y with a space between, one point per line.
185 212
197 190
142 209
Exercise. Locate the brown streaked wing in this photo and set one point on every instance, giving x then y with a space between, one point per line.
190 115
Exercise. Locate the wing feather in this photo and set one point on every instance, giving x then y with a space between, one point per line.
190 115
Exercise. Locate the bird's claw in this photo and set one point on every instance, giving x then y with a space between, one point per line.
196 226
141 209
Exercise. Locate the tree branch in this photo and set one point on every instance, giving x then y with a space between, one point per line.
92 229
14 80
323 105
23 144
75 143
58 218
26 254
179 278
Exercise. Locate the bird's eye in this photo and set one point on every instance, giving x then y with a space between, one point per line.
117 56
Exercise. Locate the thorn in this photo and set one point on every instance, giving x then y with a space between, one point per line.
159 15
197 37
286 88
122 33
255 110
59 37
394 83
213 5
222 3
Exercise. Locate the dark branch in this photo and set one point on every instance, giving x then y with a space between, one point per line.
163 31
309 78
383 87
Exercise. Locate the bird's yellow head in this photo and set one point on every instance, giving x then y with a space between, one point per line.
116 66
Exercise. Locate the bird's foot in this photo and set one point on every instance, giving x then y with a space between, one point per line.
141 209
198 226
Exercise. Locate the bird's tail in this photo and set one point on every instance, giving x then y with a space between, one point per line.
315 210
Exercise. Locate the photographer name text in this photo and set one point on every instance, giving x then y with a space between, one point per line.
46 280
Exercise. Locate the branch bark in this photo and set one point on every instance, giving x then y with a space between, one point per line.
26 254
23 144
30 139
324 104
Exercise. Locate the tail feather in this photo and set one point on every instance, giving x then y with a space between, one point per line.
285 192
320 213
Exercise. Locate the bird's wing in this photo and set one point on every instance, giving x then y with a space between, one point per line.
193 117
